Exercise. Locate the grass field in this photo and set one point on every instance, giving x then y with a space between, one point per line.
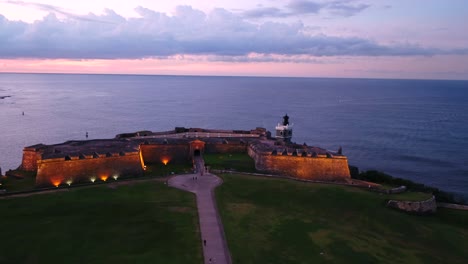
160 169
283 221
12 184
234 161
144 222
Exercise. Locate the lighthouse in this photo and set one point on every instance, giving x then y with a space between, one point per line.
284 130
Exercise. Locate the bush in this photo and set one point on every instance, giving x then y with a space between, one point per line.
380 177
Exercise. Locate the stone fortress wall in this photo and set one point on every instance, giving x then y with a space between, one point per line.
30 157
82 161
301 164
58 171
165 153
127 154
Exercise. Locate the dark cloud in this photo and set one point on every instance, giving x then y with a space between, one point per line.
343 8
300 7
304 7
265 12
220 34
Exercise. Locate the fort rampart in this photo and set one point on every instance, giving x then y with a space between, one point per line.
88 169
302 166
30 158
127 154
165 153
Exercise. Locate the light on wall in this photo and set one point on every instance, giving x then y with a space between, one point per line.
115 176
69 182
92 179
56 183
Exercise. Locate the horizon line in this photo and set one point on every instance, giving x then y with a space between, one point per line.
236 76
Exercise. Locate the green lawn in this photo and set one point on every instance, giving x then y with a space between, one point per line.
13 184
144 222
284 221
234 161
160 169
409 196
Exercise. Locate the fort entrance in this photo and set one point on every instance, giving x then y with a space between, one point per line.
197 148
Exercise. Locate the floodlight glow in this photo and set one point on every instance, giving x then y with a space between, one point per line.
92 179
56 183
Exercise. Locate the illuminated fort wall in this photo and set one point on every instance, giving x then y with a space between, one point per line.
320 168
182 153
172 153
59 171
30 158
56 171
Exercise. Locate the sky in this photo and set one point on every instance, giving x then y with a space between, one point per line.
417 39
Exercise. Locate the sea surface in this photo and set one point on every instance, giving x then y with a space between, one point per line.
414 129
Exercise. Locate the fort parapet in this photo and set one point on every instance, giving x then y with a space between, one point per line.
127 154
311 163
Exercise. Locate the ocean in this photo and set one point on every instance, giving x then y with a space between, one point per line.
414 129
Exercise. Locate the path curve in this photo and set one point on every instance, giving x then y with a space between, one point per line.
211 226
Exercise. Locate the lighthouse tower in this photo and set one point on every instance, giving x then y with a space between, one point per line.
284 130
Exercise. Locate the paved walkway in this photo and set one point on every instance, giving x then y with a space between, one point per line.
210 224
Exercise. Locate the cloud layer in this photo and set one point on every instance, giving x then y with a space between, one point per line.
220 34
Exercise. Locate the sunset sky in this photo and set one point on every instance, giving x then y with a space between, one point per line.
425 39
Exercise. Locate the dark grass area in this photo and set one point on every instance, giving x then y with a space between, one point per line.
233 161
12 184
129 223
160 170
284 221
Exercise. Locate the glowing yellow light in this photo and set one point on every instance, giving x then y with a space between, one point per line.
56 183
92 179
69 182
115 176
165 161
103 177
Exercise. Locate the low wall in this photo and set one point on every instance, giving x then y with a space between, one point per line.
428 206
309 168
54 172
396 190
453 206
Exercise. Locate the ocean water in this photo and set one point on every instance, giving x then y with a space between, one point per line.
414 129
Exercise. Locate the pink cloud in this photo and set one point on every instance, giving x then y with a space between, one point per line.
437 67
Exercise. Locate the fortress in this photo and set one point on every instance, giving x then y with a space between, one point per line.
127 155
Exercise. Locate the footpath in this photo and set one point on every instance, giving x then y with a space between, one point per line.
214 244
